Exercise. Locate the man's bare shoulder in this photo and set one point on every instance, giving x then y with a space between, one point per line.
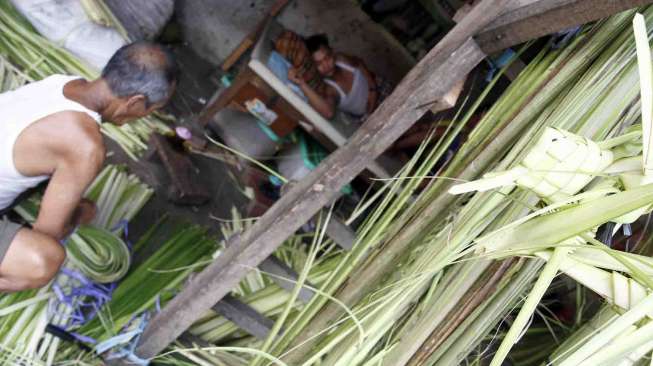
68 136
73 132
74 119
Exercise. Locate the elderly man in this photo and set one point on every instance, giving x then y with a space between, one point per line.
351 86
50 129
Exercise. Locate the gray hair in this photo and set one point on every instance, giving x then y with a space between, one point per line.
143 68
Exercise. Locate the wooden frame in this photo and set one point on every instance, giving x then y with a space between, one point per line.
445 65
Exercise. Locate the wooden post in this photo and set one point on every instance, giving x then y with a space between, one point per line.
447 63
244 316
531 19
250 39
285 277
185 187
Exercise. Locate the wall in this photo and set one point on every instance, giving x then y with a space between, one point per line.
214 28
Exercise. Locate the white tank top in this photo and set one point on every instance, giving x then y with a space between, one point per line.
20 108
356 101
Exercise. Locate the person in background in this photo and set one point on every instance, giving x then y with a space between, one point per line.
51 130
351 87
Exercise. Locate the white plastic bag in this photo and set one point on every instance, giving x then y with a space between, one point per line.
65 23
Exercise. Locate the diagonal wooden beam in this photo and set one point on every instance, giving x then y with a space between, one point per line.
341 233
244 316
285 277
530 19
447 63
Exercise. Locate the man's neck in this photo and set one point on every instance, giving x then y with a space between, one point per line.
94 95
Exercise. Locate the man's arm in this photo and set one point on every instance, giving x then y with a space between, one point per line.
326 106
77 166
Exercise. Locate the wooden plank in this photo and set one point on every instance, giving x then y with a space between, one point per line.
336 229
280 274
191 341
450 99
285 277
536 18
250 39
244 45
445 65
224 97
244 316
515 68
340 233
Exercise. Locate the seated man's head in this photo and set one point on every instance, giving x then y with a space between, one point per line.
141 78
318 46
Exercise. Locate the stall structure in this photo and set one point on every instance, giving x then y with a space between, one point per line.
258 81
492 25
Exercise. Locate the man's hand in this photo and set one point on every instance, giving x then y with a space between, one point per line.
324 105
293 75
85 212
83 215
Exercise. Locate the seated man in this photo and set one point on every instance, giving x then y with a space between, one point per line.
50 129
351 87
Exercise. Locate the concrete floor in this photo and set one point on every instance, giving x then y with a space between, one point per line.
195 86
214 174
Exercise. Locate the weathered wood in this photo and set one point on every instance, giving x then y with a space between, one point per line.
432 78
191 341
450 99
250 39
514 69
536 18
244 316
340 233
280 273
224 96
186 187
336 229
285 277
516 66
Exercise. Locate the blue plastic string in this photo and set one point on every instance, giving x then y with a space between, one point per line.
124 226
498 63
125 343
84 298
